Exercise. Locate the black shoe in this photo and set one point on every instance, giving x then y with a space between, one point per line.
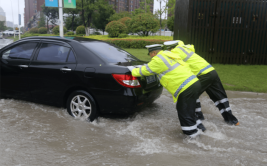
229 118
202 127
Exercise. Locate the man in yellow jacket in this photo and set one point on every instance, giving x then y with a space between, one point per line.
207 75
176 76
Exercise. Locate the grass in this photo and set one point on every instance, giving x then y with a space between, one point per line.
251 78
105 37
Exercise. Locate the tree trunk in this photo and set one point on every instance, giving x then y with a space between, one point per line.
72 22
103 31
87 31
47 27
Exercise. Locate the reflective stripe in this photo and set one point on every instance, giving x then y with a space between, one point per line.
198 101
183 84
148 69
199 122
189 128
198 110
205 68
140 71
188 54
227 109
164 60
221 101
169 70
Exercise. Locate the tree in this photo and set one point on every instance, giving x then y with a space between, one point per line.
171 5
170 23
2 26
41 22
144 6
72 13
117 16
160 11
51 14
72 25
87 7
100 18
143 24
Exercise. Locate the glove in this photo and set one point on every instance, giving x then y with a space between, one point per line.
130 68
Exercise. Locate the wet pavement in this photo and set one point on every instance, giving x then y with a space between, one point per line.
35 134
4 42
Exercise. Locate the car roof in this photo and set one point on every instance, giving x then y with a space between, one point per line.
70 39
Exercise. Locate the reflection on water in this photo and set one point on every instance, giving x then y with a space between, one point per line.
34 134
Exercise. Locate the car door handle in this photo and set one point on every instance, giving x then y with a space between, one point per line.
65 69
24 66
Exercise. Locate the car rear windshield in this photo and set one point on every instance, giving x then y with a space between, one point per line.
110 53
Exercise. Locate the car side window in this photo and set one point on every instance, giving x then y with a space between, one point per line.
71 57
53 53
22 51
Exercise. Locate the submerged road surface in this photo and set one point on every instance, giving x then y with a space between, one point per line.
34 134
4 42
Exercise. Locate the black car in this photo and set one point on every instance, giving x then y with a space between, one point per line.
88 77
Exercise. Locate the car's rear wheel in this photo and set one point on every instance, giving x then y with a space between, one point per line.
81 105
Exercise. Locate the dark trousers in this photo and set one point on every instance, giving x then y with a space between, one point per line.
186 108
212 84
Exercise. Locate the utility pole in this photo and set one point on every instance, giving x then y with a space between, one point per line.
13 18
18 20
60 11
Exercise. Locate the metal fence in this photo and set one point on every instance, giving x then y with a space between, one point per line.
225 31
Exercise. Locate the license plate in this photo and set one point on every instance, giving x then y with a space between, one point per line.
150 79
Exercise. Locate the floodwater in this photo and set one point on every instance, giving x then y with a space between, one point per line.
34 134
4 42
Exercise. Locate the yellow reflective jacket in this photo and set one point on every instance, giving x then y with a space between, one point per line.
197 64
174 74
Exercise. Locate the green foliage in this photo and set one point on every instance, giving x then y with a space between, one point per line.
42 30
34 30
87 8
72 24
144 4
123 36
105 37
96 33
80 30
2 26
100 18
126 21
117 16
134 43
51 14
56 30
72 21
170 23
143 24
41 22
69 33
114 28
171 6
27 32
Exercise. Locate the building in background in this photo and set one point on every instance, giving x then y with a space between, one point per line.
32 12
2 16
128 5
9 24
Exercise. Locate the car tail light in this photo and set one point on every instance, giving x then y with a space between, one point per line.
127 80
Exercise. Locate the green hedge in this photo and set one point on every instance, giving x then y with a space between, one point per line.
42 30
133 43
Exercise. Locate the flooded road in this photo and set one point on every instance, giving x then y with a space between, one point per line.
34 134
4 42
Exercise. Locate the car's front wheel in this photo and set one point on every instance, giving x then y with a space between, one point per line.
81 105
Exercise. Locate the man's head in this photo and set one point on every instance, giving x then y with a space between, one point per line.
170 45
154 49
